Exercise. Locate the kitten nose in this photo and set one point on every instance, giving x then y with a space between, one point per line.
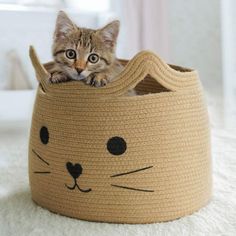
79 70
74 170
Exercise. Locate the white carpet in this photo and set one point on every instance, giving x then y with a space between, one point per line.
20 216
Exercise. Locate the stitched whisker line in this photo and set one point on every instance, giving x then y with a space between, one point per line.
130 188
131 172
40 157
42 172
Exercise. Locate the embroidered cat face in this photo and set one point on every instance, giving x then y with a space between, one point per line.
116 146
82 51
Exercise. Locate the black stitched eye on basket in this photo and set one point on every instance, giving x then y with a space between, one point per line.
93 58
116 146
70 53
44 135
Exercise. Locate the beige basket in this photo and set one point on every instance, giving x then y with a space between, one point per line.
97 154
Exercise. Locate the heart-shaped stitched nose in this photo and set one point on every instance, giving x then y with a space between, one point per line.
74 170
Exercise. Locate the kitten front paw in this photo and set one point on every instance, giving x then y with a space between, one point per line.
58 77
97 80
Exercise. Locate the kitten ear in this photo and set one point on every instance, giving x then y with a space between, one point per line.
63 26
109 33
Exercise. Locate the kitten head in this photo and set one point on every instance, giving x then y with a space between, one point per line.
82 51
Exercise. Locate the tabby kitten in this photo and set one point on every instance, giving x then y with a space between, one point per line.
84 54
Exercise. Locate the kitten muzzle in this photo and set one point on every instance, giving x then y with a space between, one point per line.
79 71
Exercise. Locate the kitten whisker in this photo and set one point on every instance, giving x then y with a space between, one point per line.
131 188
131 172
40 158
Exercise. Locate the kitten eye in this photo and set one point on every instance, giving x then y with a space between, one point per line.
44 135
70 53
93 58
116 146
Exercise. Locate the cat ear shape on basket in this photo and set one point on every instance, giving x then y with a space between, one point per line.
41 73
146 63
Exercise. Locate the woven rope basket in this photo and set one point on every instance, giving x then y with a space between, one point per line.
100 155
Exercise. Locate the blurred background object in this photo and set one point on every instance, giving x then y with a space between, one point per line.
196 34
17 78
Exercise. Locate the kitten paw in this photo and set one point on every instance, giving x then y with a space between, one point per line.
97 80
58 77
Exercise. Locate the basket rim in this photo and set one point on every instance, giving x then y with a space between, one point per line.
144 63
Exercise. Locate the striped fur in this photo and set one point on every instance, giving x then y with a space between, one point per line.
84 42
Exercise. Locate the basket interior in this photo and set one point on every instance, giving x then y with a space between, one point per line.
149 85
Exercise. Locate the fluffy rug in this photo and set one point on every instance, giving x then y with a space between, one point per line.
20 216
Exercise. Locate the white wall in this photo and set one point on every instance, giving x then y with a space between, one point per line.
195 39
229 59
